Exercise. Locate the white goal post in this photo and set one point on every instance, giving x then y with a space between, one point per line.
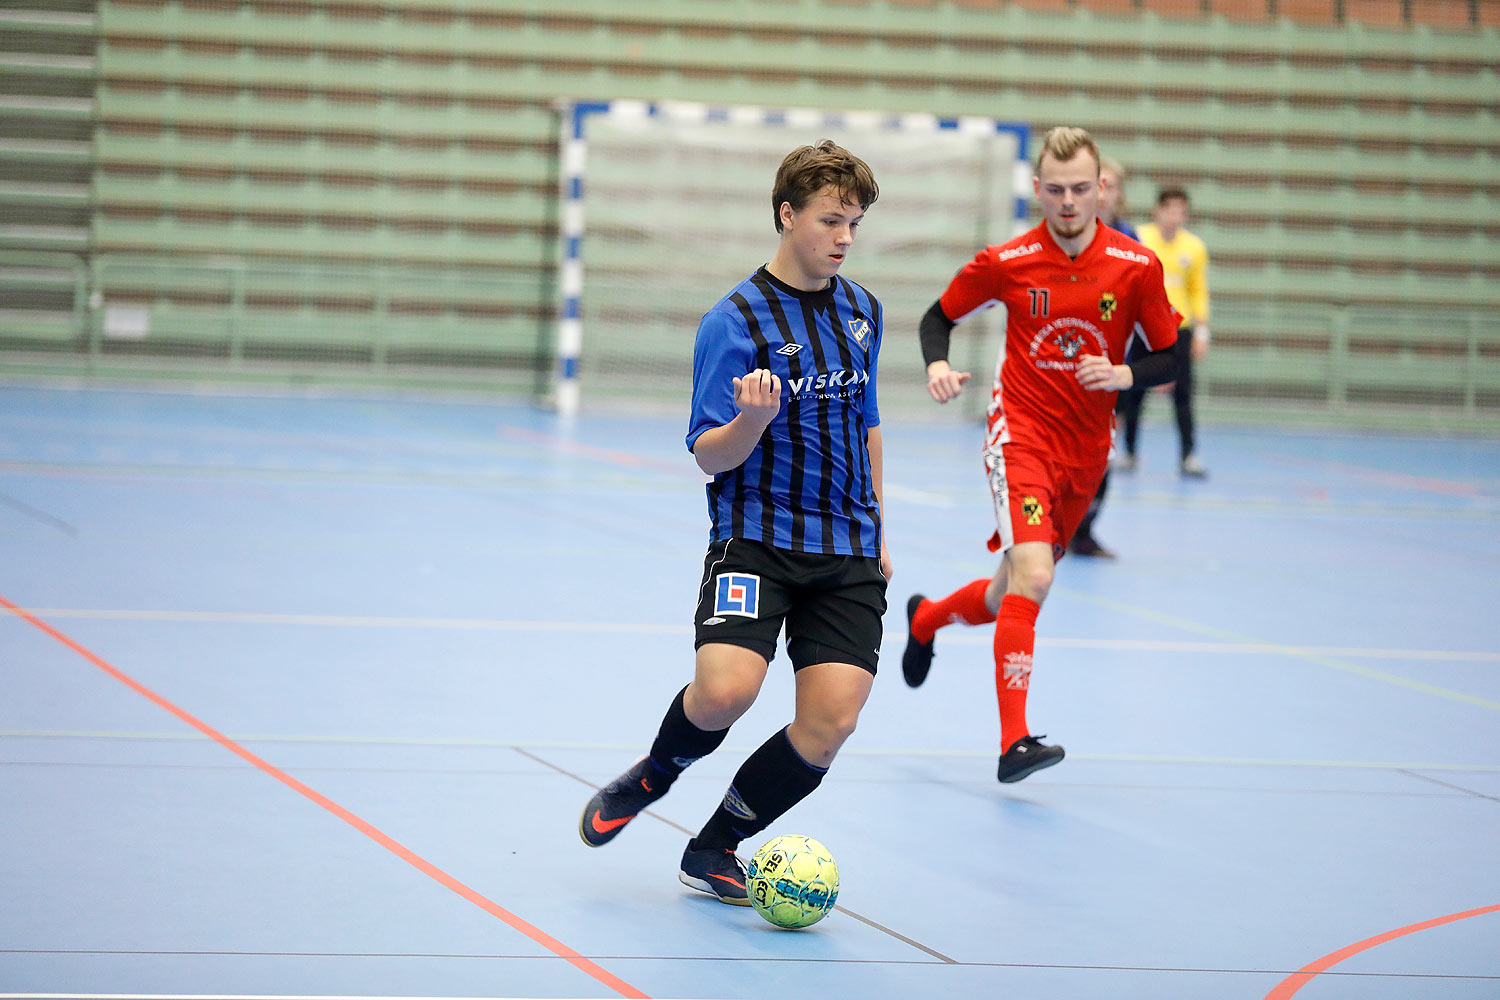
666 206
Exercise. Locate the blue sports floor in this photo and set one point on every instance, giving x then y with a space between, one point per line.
302 696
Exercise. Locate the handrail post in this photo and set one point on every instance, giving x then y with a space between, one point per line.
378 319
96 317
1471 365
236 310
1338 359
80 266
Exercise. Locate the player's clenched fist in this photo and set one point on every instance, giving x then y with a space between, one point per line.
943 383
1098 374
758 395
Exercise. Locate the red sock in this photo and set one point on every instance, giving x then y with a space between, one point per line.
1015 637
966 604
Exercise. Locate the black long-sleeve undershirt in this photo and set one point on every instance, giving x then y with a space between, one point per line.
936 330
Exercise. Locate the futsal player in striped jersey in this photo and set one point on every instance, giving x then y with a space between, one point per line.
1074 291
785 419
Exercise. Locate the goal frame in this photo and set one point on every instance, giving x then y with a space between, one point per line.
575 116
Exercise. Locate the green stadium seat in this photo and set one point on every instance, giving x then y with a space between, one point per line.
1329 163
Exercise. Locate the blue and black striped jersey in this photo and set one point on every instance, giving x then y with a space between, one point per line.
807 486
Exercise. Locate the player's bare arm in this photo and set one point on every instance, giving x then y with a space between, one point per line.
875 445
1098 374
1201 338
758 397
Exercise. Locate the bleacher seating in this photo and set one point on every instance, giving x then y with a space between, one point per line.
1333 164
46 97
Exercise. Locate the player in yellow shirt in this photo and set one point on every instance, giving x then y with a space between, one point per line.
1184 261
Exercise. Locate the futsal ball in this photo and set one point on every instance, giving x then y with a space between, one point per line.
793 881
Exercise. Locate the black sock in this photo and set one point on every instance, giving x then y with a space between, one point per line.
771 781
680 743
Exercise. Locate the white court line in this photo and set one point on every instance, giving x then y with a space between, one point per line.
975 638
484 744
1312 656
927 498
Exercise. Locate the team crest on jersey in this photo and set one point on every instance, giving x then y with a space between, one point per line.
859 329
1069 334
737 594
789 349
1107 305
1070 344
1032 508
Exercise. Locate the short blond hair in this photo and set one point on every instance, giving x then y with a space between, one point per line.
1062 143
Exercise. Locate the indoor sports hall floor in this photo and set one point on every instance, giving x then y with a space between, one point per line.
302 696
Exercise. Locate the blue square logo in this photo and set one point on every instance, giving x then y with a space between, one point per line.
738 594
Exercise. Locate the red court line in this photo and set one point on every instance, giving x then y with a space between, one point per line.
401 851
1291 984
1398 480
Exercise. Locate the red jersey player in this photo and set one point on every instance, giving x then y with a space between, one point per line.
1073 291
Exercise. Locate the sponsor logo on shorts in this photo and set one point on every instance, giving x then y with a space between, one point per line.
737 594
715 620
1032 508
999 488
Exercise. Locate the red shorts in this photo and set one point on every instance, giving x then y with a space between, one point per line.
1037 499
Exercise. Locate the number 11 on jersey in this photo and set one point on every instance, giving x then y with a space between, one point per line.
1040 301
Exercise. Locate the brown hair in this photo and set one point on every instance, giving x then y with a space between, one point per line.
1167 194
809 169
1062 143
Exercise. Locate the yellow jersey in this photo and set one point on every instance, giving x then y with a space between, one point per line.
1184 263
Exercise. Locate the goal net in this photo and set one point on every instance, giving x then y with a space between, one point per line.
668 206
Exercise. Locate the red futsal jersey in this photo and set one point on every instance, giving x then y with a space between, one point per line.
1057 310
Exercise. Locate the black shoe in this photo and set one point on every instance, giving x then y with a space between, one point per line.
1026 755
917 659
617 803
717 871
1087 545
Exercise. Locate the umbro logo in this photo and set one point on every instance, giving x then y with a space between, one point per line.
789 349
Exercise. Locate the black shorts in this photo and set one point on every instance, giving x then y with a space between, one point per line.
832 605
